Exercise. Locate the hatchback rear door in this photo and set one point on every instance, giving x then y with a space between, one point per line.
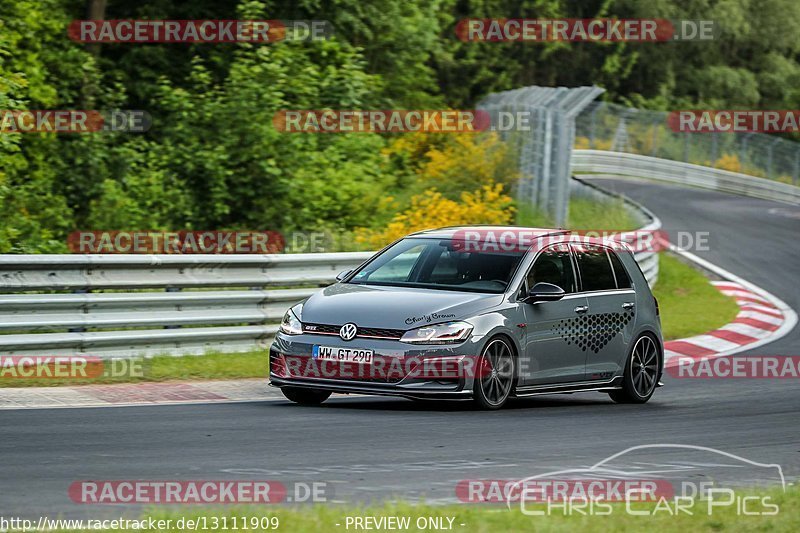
611 316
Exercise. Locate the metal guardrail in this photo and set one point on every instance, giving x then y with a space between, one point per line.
88 272
641 166
608 126
146 322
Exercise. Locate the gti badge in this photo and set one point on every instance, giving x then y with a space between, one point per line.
348 332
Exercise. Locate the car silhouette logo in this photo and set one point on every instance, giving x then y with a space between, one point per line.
348 332
614 468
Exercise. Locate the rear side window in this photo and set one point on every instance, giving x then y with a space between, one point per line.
595 268
623 280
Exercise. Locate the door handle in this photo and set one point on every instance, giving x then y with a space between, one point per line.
628 305
581 308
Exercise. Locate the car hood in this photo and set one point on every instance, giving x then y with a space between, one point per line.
392 307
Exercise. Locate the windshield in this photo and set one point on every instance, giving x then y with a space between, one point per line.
440 264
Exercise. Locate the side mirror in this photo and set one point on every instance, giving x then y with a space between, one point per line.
544 292
343 274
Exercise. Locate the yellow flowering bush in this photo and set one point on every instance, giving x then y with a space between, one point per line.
479 157
431 209
584 143
729 162
455 162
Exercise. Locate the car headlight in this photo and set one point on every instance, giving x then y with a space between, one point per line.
290 324
449 333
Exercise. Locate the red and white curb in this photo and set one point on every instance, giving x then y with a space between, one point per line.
138 394
762 318
758 319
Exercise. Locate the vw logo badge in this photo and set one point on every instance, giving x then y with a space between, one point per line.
348 332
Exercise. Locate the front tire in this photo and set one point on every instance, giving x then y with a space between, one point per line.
494 379
641 373
305 396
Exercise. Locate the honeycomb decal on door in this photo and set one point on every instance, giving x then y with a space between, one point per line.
592 332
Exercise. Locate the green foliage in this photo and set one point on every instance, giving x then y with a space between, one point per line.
213 158
239 171
38 68
728 72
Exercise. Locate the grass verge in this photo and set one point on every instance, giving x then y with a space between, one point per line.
584 214
689 304
165 368
478 518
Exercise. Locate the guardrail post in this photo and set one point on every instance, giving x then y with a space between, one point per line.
172 289
714 148
654 150
770 157
686 147
81 329
769 161
743 149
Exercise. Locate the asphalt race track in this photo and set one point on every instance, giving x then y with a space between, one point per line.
370 449
754 239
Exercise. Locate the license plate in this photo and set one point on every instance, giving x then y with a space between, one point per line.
334 353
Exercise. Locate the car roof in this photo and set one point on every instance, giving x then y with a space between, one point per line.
454 231
497 233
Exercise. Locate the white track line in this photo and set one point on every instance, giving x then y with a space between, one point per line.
772 301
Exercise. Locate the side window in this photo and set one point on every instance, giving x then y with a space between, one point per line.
623 280
553 266
595 268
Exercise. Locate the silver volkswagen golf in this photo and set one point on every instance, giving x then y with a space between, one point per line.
482 312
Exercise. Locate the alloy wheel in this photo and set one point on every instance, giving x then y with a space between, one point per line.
497 372
644 366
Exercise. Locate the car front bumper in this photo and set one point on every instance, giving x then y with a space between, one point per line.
398 361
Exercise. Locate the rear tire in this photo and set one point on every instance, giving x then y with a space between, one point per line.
495 375
305 396
641 372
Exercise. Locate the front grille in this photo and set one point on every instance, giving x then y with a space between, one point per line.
375 333
380 332
322 329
